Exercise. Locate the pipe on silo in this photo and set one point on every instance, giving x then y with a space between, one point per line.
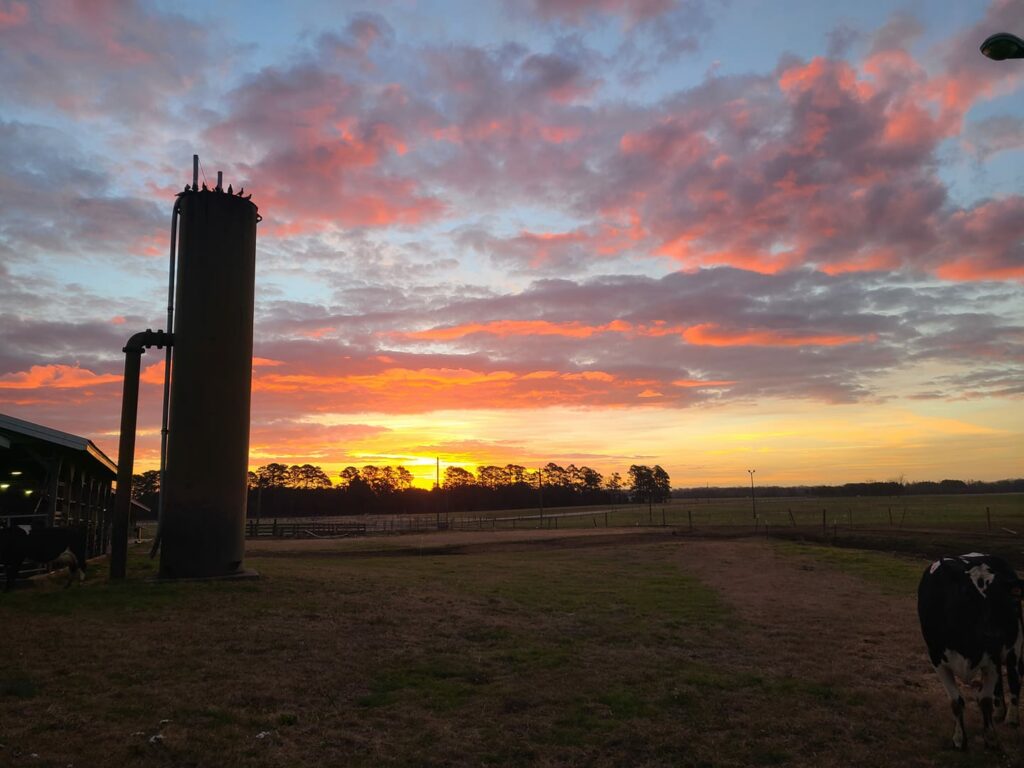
165 412
204 490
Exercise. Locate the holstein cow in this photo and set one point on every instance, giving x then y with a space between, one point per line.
970 611
62 547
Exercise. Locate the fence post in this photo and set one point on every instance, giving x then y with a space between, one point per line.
849 514
605 519
791 518
988 516
890 517
689 514
824 525
663 517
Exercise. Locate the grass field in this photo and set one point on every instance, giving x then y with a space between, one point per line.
538 648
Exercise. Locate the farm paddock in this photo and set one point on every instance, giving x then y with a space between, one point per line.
597 648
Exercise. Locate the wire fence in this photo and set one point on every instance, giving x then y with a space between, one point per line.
988 512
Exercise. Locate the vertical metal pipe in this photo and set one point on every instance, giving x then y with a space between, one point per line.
125 463
195 172
167 377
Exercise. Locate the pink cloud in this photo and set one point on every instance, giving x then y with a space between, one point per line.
575 11
13 14
327 144
104 57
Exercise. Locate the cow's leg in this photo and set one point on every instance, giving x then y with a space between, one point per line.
12 568
1013 681
998 700
990 673
956 702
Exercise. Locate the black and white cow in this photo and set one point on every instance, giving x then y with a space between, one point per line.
61 547
970 611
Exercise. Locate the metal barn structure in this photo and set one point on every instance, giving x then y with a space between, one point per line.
55 478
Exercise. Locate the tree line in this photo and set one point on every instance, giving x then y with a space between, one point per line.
886 488
281 490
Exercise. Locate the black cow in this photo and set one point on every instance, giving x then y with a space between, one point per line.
60 546
970 611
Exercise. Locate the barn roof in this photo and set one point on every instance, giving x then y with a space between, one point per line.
17 431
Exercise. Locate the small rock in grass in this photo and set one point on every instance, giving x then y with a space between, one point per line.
138 733
263 734
164 722
156 740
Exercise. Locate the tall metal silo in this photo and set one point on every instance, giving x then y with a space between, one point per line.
202 527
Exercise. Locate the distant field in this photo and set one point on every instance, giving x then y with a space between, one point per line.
597 648
952 511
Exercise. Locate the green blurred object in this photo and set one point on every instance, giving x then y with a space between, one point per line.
1003 45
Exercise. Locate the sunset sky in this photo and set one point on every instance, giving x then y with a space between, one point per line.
709 234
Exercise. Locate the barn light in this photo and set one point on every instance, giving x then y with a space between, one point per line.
28 491
4 486
15 472
1003 45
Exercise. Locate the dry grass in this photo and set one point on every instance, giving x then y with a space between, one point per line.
631 650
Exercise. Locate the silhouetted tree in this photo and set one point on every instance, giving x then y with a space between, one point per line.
146 484
641 483
515 474
590 481
614 486
491 477
347 476
307 476
457 477
272 476
662 485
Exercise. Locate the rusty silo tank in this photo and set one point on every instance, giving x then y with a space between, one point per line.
204 488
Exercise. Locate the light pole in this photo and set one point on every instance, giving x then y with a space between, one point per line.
1003 45
753 504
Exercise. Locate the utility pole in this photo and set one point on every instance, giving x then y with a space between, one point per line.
753 503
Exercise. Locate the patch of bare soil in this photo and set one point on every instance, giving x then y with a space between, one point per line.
457 542
851 645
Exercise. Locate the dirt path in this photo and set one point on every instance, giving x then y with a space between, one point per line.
814 623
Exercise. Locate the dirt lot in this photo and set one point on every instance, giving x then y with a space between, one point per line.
608 647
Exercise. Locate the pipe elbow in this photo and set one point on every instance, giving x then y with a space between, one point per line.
141 341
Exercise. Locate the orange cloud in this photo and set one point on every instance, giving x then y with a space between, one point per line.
56 377
406 390
517 328
712 335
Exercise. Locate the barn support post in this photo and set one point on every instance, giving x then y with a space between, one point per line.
65 506
52 488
